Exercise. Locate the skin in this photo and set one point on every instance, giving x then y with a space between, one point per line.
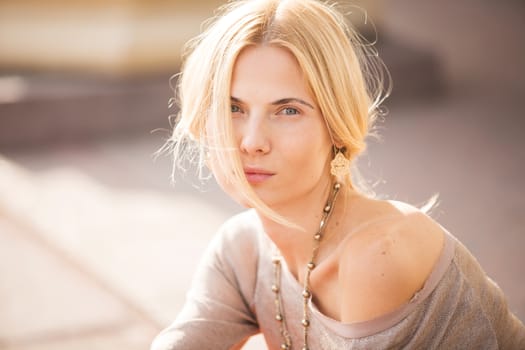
376 254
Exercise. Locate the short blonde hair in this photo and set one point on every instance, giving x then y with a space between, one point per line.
347 86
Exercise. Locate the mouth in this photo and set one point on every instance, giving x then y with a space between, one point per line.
256 176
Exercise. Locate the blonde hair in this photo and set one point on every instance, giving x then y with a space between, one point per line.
347 85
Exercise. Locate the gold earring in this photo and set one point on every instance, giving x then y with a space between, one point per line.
340 165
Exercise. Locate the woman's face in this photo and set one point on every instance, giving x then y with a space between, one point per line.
281 135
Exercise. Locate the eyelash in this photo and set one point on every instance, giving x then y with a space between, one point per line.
239 110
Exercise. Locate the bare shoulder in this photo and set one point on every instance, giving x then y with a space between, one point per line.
386 262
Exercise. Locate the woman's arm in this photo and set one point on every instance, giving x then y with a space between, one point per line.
217 312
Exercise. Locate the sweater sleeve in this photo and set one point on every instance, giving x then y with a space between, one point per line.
218 313
483 313
507 328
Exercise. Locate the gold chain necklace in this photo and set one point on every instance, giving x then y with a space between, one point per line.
306 294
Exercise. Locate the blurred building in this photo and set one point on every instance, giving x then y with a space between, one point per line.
116 37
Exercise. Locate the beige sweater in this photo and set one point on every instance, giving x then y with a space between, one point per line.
459 307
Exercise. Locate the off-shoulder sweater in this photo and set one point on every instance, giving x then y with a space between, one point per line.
231 298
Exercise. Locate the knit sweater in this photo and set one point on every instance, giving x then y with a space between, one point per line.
231 298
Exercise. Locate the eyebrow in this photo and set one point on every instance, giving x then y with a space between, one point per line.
281 101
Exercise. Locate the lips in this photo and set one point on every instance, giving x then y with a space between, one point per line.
257 175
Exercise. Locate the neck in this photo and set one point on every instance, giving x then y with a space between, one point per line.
295 245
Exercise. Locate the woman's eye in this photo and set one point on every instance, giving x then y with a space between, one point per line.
290 111
235 109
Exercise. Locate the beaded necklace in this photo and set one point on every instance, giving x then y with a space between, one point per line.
306 294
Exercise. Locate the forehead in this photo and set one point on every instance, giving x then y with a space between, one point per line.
267 70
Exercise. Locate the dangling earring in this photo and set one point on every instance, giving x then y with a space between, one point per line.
340 165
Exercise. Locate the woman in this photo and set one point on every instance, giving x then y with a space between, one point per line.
278 98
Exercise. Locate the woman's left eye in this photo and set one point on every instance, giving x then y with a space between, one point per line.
290 111
235 109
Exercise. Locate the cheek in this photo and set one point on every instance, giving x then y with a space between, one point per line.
308 151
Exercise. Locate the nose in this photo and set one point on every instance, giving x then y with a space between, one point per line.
254 135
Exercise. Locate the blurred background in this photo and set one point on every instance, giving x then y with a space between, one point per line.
97 248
